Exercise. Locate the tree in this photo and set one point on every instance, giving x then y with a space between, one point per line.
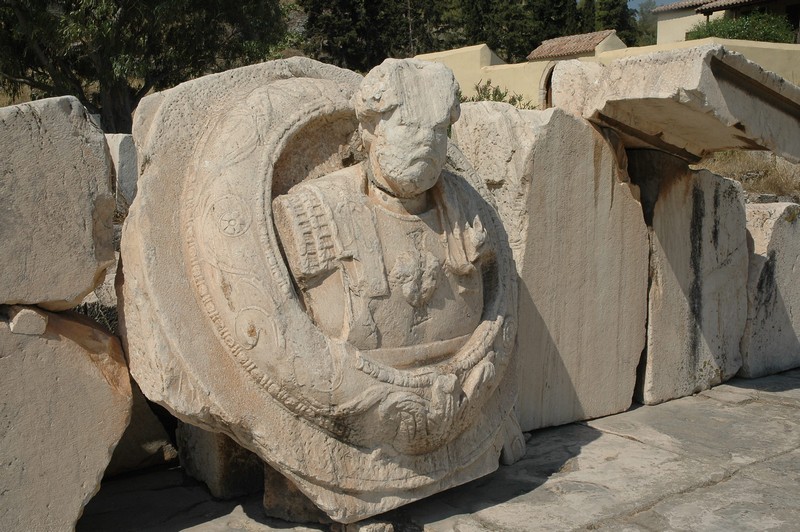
646 23
586 16
110 53
615 15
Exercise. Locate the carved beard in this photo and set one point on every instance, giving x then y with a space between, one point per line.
400 175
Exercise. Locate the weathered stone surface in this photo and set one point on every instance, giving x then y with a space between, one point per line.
233 339
770 343
145 442
219 462
698 268
688 102
123 156
581 250
56 220
26 320
64 403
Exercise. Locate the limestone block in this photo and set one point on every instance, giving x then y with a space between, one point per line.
581 253
689 102
770 343
123 156
65 401
276 219
27 320
226 468
698 264
56 220
145 442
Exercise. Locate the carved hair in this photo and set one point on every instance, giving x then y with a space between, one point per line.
387 86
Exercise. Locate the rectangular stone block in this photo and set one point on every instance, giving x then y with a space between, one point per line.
698 275
65 401
126 169
56 220
581 249
770 343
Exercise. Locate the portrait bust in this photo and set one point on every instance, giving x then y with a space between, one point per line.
334 290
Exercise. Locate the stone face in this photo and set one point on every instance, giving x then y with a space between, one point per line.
581 249
770 343
698 264
232 338
64 403
56 220
227 469
688 102
123 156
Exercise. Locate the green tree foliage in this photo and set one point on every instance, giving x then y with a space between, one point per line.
768 27
615 15
646 23
586 16
110 53
494 93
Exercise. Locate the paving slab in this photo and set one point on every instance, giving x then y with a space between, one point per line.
725 459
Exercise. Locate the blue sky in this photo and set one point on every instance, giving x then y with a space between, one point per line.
634 4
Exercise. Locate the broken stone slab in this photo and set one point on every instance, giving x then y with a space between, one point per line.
65 401
770 343
688 102
698 274
56 220
219 462
145 442
581 250
123 156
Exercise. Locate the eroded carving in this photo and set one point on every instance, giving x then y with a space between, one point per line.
382 349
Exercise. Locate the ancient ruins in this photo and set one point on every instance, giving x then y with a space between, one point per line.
356 292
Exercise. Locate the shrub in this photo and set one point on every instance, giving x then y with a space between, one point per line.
767 27
493 93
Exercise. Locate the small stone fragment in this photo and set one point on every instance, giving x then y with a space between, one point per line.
27 320
770 343
65 401
123 155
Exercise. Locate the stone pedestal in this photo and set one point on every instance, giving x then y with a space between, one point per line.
770 343
226 468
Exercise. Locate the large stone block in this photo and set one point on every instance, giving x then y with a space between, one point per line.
687 102
581 249
770 343
698 268
56 218
65 401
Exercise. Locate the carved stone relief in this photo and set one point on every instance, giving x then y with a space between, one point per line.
350 322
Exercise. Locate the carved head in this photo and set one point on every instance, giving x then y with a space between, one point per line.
404 108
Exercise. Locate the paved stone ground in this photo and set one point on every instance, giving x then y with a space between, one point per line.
726 459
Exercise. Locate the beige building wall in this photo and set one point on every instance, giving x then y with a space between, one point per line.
673 25
466 63
612 42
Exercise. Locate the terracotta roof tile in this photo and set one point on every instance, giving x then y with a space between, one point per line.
722 4
683 4
569 45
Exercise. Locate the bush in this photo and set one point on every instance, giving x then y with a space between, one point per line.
767 27
493 93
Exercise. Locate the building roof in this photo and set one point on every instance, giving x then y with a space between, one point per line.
683 4
716 5
569 45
